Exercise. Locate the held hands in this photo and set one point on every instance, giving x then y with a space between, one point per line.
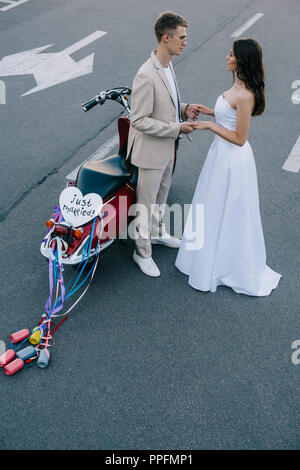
193 110
187 127
202 125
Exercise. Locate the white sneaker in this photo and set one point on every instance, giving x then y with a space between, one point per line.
146 265
166 239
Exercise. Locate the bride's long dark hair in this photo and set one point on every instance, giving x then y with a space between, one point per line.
250 70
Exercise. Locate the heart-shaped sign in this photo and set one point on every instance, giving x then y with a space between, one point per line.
78 209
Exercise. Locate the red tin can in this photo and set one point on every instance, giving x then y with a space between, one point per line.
6 357
19 335
13 367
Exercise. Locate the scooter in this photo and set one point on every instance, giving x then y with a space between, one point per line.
114 179
112 183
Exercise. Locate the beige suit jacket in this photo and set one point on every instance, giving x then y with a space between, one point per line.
153 127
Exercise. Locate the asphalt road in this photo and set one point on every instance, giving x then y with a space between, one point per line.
146 363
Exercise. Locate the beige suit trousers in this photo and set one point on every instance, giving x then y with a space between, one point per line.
152 192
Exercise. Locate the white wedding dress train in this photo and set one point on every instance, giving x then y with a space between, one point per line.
233 253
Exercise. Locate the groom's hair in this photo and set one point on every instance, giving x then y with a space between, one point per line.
167 21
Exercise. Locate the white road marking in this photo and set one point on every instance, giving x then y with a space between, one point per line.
246 25
293 161
84 42
100 153
12 4
296 95
2 92
50 69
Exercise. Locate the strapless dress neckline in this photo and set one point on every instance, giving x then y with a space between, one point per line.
222 96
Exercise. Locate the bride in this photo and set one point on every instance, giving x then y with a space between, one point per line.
233 253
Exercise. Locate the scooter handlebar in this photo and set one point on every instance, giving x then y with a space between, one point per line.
89 105
116 94
93 102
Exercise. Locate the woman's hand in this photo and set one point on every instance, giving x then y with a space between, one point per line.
206 110
202 125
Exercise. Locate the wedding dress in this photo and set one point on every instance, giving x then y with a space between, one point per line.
233 253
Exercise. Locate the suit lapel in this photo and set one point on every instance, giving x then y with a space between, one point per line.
160 70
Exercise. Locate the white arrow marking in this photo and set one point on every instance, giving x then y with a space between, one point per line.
293 161
2 92
296 95
84 42
12 4
49 69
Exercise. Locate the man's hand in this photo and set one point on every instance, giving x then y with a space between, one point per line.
192 111
187 127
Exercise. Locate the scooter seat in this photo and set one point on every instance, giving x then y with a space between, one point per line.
103 177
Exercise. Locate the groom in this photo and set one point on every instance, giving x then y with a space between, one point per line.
155 124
